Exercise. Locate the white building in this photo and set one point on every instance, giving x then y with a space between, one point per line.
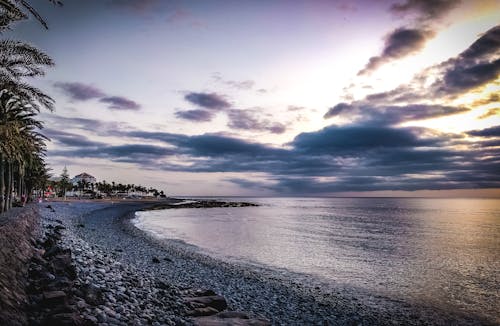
87 178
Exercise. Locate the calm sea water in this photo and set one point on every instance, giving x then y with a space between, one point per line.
432 251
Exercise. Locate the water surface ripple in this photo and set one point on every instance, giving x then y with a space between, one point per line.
443 252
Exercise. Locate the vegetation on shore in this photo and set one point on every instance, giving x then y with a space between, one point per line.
22 145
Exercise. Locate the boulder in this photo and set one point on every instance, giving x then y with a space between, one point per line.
53 298
205 311
215 301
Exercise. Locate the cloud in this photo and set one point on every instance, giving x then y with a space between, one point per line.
79 91
241 85
120 103
398 44
293 108
491 98
83 92
142 154
335 140
211 101
336 158
477 65
425 9
141 6
490 113
474 67
70 139
248 120
390 115
458 78
483 47
488 132
195 115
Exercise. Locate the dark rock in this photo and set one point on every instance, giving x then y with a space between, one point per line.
233 314
65 319
156 260
203 293
53 298
81 225
162 285
205 311
93 295
52 251
217 321
215 301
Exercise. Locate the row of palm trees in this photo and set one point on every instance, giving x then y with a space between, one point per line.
22 145
101 188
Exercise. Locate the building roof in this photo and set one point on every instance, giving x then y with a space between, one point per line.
84 175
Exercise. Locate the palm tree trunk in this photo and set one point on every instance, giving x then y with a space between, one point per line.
8 190
10 184
2 184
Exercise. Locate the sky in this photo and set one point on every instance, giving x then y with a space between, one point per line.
275 97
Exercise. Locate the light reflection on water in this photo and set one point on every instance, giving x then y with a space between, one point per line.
438 251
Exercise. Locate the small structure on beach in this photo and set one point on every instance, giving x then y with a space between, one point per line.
84 178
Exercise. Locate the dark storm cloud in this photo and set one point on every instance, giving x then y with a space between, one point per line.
211 101
79 91
425 9
389 115
458 79
354 138
486 45
488 132
249 120
398 44
477 65
195 115
120 103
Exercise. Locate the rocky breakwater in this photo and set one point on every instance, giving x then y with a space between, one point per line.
200 204
18 232
52 285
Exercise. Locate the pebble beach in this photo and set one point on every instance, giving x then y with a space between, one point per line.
127 277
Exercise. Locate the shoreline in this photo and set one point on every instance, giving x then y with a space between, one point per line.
102 232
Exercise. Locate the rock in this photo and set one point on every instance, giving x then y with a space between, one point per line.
233 314
64 319
205 311
217 321
93 295
215 301
156 260
53 298
203 293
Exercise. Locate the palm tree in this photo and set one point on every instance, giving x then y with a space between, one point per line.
21 144
15 10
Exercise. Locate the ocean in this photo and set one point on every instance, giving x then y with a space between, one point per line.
435 252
